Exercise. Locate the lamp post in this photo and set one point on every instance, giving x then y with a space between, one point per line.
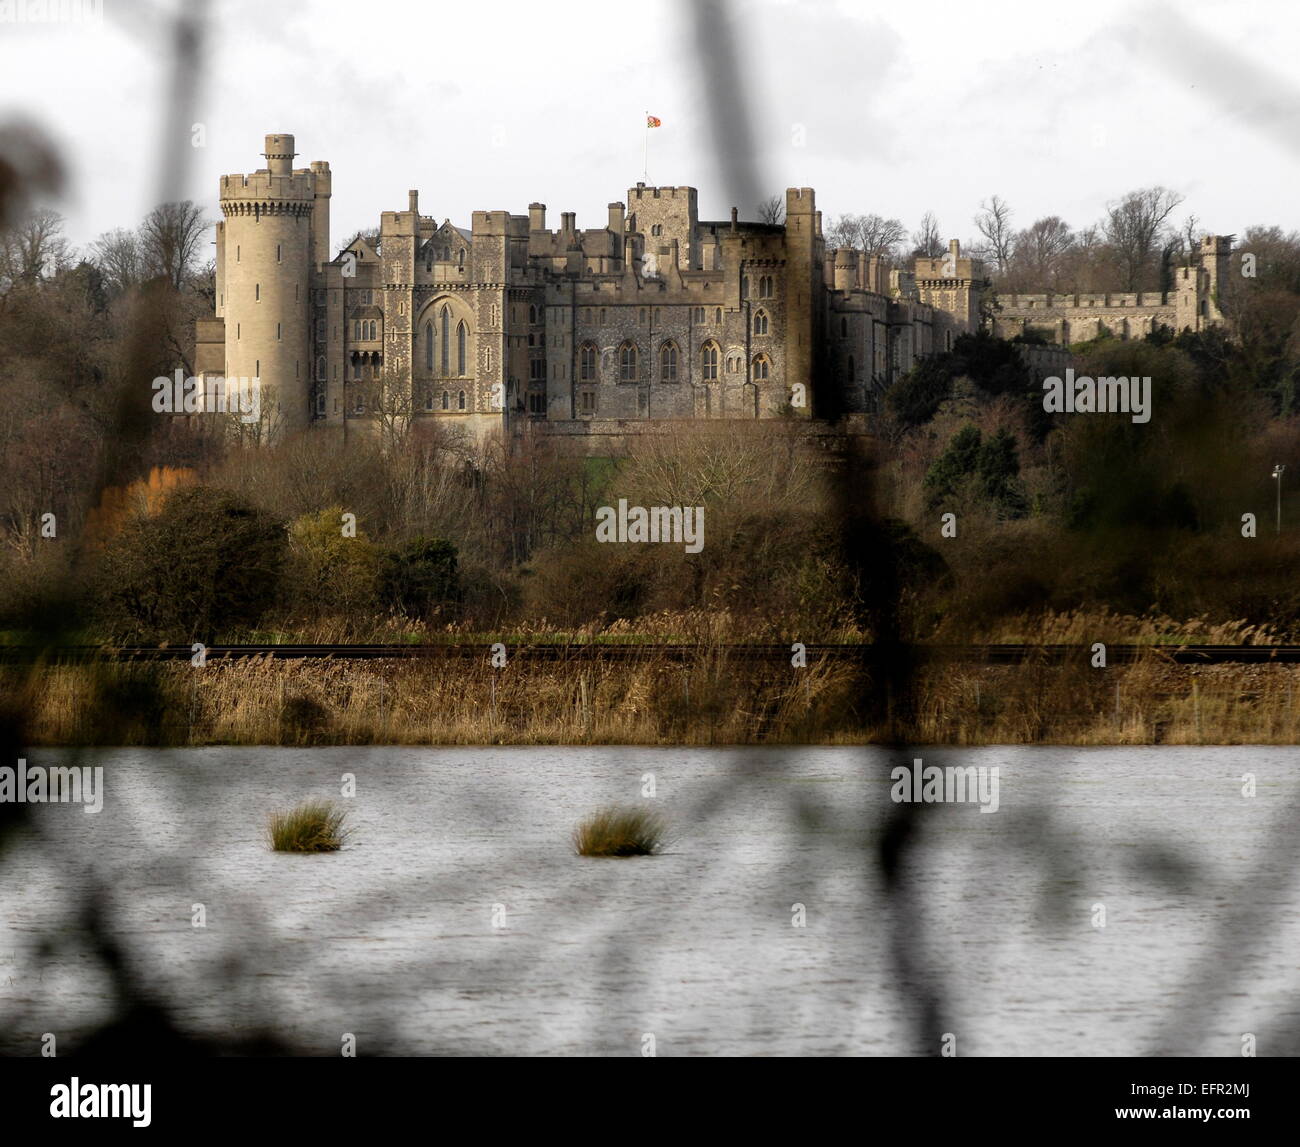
1277 474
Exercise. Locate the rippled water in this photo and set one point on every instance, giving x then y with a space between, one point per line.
399 939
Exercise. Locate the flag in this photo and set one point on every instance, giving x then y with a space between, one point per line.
653 121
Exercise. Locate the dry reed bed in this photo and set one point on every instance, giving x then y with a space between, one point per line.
718 698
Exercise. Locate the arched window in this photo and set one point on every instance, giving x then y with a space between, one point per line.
717 315
460 401
627 362
761 365
428 347
320 368
356 368
428 400
461 257
532 313
446 400
445 316
657 229
844 327
460 348
733 363
668 362
760 322
765 287
374 330
709 360
587 363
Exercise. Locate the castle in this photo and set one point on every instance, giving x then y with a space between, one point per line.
658 315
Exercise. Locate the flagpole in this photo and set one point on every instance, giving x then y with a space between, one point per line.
645 157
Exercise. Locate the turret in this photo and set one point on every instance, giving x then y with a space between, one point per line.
269 245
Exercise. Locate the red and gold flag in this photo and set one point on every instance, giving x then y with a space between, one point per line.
653 121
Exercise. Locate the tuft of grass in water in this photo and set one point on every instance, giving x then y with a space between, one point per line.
620 832
314 826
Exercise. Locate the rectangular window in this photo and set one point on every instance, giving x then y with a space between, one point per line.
277 253
257 292
588 402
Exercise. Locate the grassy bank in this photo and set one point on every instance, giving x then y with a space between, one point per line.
718 698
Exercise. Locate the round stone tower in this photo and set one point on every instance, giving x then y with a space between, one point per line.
267 257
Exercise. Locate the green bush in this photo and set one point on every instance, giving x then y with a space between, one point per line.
421 577
205 563
328 571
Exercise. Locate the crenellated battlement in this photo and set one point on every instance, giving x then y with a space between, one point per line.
651 314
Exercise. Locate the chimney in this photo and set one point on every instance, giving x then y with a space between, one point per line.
735 214
537 217
413 200
616 223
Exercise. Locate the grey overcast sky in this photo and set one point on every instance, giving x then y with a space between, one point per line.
892 108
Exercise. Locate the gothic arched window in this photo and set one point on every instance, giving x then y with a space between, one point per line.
709 360
627 362
668 362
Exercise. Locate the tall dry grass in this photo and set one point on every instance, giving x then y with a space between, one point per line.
716 697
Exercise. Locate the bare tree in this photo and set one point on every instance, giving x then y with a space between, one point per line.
927 242
32 250
170 237
1134 229
1037 252
118 256
873 234
369 234
772 210
994 223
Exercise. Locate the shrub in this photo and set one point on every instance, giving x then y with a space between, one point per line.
328 571
314 826
620 832
421 576
204 562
